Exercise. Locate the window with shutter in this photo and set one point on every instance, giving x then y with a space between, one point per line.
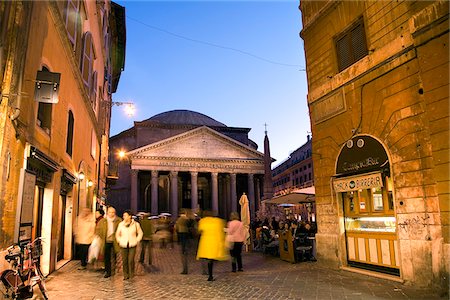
69 141
351 45
87 60
93 92
71 18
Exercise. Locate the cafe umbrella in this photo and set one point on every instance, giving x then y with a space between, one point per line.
245 216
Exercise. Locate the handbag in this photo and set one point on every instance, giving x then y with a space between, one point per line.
94 249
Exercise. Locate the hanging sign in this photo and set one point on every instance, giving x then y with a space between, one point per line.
362 182
47 87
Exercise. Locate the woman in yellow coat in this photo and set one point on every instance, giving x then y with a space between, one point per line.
211 246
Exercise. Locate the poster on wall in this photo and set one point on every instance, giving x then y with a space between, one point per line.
25 206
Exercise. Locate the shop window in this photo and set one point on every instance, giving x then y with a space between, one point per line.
377 199
351 45
69 142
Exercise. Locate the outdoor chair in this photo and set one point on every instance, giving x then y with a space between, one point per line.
303 249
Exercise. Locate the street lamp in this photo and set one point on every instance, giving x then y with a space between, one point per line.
80 179
129 106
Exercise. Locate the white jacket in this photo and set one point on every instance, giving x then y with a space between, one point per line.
129 236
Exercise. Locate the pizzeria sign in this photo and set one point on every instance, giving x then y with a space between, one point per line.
362 182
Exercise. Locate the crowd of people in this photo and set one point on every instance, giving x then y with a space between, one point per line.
102 237
266 234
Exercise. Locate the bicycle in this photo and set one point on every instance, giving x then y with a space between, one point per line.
25 273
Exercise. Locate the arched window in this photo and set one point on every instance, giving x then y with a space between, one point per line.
87 60
44 116
69 141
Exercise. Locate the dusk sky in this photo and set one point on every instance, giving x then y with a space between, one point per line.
240 63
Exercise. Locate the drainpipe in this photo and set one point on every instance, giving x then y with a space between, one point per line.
27 11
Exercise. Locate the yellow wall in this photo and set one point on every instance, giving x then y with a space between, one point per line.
398 94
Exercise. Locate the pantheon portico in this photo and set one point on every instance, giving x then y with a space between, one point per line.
195 163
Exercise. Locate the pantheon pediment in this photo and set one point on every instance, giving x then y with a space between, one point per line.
202 143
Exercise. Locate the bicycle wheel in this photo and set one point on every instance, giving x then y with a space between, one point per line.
43 289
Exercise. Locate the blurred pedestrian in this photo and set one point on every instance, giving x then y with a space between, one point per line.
163 231
147 238
128 235
211 246
107 228
99 214
236 235
184 227
84 234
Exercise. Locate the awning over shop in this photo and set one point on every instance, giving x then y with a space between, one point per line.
305 195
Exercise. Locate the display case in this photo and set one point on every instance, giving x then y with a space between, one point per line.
370 224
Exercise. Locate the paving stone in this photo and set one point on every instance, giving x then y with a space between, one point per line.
264 277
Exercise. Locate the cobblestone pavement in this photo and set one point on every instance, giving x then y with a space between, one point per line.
264 277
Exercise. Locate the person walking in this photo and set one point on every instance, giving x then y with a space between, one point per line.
211 246
147 238
84 234
185 227
128 235
107 228
236 236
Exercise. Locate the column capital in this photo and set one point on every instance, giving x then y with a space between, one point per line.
155 173
194 173
134 172
214 174
173 173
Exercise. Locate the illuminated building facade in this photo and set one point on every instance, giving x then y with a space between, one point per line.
60 63
378 95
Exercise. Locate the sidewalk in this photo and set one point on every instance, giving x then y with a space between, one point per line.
264 277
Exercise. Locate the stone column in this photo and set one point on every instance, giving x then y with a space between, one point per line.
251 195
215 193
233 195
154 184
174 194
258 193
134 191
194 191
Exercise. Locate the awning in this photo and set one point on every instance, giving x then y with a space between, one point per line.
305 195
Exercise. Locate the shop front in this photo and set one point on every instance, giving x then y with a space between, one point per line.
364 188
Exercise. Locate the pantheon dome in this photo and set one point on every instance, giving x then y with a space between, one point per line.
185 117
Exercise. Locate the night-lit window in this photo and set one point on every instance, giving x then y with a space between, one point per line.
87 60
44 116
69 142
351 45
71 19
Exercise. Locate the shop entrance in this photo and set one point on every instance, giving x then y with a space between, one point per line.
364 186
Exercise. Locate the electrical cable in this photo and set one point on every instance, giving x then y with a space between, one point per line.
214 45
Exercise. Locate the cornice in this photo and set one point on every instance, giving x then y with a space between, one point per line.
196 159
184 135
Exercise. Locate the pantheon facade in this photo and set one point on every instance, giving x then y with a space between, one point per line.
184 159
